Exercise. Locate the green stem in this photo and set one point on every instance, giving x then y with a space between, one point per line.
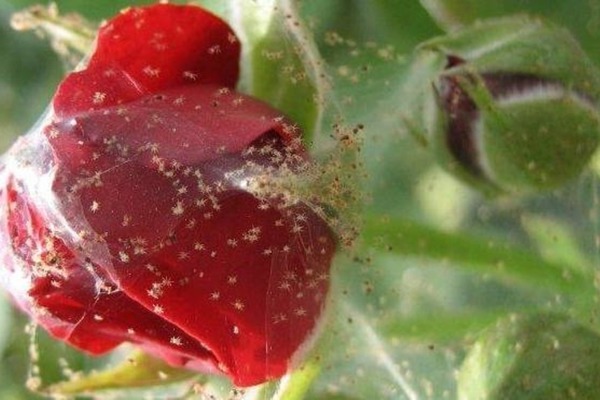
296 385
441 328
475 254
292 386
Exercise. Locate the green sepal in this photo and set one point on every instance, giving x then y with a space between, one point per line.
138 370
538 141
530 357
521 45
278 69
438 139
276 65
420 115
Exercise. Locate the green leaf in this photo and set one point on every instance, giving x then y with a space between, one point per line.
556 242
582 17
476 254
385 22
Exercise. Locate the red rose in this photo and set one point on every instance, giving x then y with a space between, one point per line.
125 216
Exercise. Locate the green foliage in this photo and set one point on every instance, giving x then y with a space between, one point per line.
540 356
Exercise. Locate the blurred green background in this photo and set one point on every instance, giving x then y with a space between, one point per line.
30 71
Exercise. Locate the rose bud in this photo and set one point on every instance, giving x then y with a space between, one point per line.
513 105
530 357
125 215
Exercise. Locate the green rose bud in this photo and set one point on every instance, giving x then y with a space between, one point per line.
543 357
513 106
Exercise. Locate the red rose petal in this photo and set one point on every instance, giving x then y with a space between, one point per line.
94 89
126 217
167 45
256 295
258 286
187 124
149 49
123 159
71 297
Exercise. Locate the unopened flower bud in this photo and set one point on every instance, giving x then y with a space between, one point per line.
516 105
